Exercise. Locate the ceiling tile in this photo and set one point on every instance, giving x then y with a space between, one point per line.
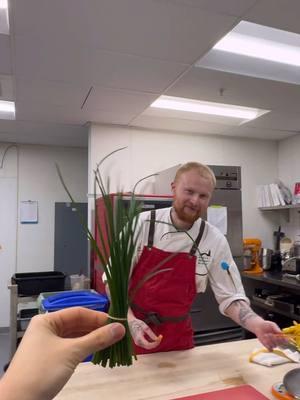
5 55
155 29
43 133
205 84
82 66
285 121
246 131
109 117
176 124
279 14
228 7
6 88
41 112
52 93
118 101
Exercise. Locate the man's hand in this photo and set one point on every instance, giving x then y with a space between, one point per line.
142 335
269 334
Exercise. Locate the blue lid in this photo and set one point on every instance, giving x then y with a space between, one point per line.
81 298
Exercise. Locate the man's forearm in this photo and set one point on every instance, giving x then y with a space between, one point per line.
241 313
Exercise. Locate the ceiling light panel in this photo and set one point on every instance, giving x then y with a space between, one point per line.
7 109
4 24
256 50
204 107
259 48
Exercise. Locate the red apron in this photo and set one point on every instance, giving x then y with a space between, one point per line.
164 300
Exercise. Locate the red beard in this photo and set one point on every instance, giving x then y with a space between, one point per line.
185 216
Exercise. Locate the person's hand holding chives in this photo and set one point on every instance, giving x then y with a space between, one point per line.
53 345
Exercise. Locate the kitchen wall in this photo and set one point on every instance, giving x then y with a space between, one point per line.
151 151
289 173
29 173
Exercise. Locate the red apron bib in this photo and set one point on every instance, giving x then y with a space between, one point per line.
164 300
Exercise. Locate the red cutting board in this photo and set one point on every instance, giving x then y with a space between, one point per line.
243 392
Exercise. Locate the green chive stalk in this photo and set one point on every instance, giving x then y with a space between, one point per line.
115 250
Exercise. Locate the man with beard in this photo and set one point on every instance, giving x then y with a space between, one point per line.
177 253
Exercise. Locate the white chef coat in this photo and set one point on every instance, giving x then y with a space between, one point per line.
212 250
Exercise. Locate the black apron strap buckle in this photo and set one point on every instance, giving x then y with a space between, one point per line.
153 318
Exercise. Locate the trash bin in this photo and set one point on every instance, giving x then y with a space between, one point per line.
33 283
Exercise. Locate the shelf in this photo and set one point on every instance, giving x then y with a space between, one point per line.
17 304
287 314
287 207
27 299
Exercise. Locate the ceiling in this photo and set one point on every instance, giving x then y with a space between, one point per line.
70 62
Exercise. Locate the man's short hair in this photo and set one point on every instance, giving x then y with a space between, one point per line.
202 169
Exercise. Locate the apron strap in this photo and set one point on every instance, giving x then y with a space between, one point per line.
151 229
198 239
155 318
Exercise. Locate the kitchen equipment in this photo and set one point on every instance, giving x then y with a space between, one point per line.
209 325
276 256
276 262
285 245
291 381
291 265
293 276
279 391
251 251
295 249
265 258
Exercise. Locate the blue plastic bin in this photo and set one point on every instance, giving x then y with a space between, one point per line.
83 298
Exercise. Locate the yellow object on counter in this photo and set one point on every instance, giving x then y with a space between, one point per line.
293 333
278 356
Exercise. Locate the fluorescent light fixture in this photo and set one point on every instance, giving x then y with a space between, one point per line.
4 4
4 23
253 46
206 107
7 109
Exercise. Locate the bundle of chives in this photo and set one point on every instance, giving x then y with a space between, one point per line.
117 235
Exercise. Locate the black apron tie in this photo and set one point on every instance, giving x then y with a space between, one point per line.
198 239
151 229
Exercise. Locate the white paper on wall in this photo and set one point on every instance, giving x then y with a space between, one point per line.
29 212
217 216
